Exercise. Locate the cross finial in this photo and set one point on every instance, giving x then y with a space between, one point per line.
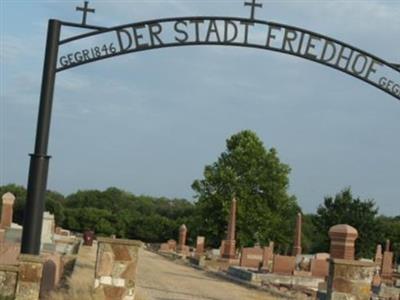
85 9
253 4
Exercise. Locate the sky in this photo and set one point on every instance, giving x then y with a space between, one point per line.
149 122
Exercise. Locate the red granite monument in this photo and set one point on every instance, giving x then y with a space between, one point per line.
182 248
297 237
7 210
229 249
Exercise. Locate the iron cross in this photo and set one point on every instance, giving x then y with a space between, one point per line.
253 4
85 9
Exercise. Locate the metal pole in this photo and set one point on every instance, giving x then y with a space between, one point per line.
38 169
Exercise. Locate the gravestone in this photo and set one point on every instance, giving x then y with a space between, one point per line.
378 255
7 210
268 254
172 245
200 245
297 237
319 268
387 266
229 245
251 257
88 237
115 272
284 265
48 281
48 227
182 248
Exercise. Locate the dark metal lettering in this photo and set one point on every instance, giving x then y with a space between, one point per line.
325 49
212 29
85 54
197 30
341 57
137 36
228 39
271 36
63 61
287 40
310 46
154 32
224 30
355 62
371 68
181 31
123 47
300 43
246 31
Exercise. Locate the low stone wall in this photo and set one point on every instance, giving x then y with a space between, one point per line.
271 279
243 274
8 281
29 279
115 274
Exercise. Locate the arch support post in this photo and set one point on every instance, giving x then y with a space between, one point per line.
39 162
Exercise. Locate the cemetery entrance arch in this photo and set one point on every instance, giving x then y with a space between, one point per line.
102 43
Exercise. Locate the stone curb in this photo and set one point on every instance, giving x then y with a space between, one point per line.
226 277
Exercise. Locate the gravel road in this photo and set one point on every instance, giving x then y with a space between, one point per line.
161 279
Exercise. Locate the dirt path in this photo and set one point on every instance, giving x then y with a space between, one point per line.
161 279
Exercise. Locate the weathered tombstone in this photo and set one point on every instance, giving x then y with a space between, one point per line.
115 273
7 210
387 266
342 241
2 235
172 245
164 247
387 246
378 255
47 236
251 257
48 281
200 245
229 248
268 253
297 237
319 268
182 248
284 265
88 237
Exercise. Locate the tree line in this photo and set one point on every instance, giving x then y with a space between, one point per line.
266 211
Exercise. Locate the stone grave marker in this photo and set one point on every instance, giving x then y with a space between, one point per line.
284 265
200 245
251 257
319 268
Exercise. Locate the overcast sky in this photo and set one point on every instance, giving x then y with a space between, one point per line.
149 122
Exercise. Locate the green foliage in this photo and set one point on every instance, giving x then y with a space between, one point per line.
114 211
260 181
390 230
345 209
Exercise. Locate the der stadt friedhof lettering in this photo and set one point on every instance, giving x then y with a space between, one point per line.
237 32
103 42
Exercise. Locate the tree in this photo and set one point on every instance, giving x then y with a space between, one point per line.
345 209
259 181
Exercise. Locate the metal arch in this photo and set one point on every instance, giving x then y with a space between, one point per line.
103 30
